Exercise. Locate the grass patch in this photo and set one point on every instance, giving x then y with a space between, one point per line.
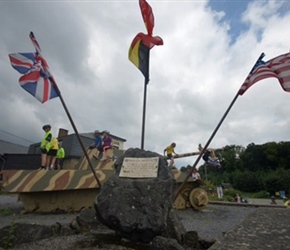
5 212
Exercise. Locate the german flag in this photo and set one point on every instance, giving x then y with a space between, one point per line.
147 15
139 51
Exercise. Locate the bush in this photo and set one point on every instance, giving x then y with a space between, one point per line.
229 198
231 192
247 181
261 194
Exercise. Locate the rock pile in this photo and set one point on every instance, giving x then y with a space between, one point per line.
137 208
86 232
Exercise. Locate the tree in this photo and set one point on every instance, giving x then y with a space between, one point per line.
247 181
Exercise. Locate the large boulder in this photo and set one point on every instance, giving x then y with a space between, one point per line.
137 208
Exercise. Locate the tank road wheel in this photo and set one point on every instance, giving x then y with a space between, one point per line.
182 200
198 198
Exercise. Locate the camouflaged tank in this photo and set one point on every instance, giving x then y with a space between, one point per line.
76 188
69 189
191 195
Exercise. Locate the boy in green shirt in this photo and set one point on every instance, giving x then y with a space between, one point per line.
59 157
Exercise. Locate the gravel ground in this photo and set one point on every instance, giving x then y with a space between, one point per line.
9 203
214 221
211 223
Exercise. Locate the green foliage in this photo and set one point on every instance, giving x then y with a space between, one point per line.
258 195
186 169
247 181
277 180
231 192
5 212
9 238
207 185
256 168
228 198
272 183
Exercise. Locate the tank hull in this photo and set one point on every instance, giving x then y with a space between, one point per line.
74 188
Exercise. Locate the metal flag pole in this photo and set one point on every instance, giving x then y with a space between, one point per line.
144 103
144 114
213 134
37 47
77 134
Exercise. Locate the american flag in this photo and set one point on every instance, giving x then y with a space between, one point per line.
35 79
278 67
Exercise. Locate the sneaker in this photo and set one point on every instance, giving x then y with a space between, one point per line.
103 158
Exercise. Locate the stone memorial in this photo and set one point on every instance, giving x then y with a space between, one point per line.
137 199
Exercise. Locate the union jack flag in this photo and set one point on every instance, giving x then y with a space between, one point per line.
36 79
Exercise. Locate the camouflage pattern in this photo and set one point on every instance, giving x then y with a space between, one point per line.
69 189
75 187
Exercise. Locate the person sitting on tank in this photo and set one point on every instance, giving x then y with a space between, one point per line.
97 143
209 157
106 144
196 176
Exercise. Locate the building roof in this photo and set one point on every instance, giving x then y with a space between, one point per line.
91 135
12 148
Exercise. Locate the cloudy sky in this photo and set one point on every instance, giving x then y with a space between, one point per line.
209 48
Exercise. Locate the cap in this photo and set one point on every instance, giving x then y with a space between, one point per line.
47 126
105 132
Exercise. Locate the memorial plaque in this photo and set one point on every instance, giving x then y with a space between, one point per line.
139 167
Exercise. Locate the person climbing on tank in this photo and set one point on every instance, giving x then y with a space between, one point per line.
169 153
97 143
106 144
209 157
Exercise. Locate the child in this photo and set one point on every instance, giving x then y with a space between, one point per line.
51 154
97 144
45 145
196 176
107 144
209 157
169 153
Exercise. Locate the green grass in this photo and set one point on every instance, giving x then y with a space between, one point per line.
229 195
5 212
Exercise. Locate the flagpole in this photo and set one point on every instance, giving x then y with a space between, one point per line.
212 136
146 81
46 68
75 129
144 114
